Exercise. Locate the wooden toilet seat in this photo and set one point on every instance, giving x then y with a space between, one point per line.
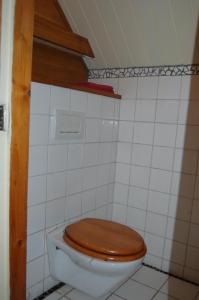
105 240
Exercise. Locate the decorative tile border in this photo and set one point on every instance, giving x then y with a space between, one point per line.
173 70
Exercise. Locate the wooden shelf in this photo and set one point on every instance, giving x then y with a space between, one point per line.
91 90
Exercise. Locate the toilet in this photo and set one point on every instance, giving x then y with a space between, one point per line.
94 255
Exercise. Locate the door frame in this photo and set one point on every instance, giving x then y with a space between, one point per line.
20 107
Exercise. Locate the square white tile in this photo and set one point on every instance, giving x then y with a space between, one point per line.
143 133
165 135
145 110
40 98
169 87
132 290
141 155
56 185
167 111
36 190
127 110
147 87
140 176
150 277
125 131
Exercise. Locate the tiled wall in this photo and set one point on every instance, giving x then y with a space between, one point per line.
157 174
67 180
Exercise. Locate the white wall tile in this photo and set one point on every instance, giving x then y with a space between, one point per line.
59 99
39 130
56 185
89 176
122 173
162 158
37 160
140 176
141 155
119 213
143 133
35 271
36 218
78 101
74 181
137 197
91 152
94 106
160 180
155 244
35 245
93 130
124 152
121 193
167 111
75 156
40 98
136 218
73 206
125 131
147 87
88 200
190 87
107 130
127 109
165 135
158 202
108 108
156 224
145 110
57 158
55 212
169 87
195 212
36 190
128 87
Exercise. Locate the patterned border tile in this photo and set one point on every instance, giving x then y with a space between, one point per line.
173 70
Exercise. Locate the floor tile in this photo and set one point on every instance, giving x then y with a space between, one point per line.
132 290
161 296
180 289
150 277
77 295
53 296
64 289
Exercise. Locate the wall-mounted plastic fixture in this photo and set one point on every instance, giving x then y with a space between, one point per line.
68 125
2 117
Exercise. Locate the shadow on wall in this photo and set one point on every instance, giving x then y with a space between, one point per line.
184 227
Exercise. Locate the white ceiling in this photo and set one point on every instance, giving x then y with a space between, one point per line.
126 33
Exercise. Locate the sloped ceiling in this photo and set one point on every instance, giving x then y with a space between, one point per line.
126 33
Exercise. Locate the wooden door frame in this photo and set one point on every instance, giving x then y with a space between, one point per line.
21 80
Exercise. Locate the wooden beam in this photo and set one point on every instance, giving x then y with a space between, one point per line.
21 77
54 66
48 31
51 11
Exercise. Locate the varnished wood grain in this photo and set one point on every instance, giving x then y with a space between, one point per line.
53 66
51 11
48 31
105 240
21 77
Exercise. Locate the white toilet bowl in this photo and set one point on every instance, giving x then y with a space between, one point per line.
93 276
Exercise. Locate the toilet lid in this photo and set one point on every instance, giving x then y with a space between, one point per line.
104 237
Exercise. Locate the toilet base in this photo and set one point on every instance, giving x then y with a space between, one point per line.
91 276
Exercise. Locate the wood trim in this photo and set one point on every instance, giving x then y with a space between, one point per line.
48 31
54 66
21 76
51 11
92 91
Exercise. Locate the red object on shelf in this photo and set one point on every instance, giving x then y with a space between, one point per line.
95 86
